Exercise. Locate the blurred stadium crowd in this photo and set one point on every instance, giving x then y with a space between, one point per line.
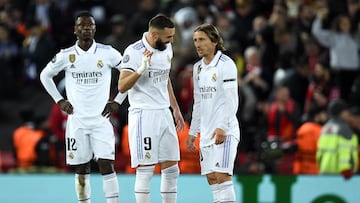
293 58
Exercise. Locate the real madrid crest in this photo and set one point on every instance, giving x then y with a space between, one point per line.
213 78
71 155
168 58
198 71
72 58
147 155
100 63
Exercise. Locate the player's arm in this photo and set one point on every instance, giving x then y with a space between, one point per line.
195 118
229 108
128 78
113 104
180 123
46 78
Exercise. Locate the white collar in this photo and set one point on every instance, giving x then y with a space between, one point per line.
91 50
214 61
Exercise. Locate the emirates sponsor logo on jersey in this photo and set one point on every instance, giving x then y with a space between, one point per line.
207 92
207 89
72 58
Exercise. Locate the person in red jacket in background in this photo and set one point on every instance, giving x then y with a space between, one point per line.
283 119
57 123
307 136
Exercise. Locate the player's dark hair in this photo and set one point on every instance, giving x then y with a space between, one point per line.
161 21
83 14
214 35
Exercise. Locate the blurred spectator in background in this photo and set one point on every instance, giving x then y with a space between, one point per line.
269 51
38 49
254 74
227 31
203 10
297 80
314 53
343 46
189 162
10 66
33 146
222 6
186 91
12 17
119 37
338 145
283 119
321 89
57 125
307 136
47 13
140 18
243 23
186 20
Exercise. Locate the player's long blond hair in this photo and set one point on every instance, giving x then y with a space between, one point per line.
214 35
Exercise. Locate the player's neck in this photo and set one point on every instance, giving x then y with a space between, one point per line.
85 44
208 59
149 40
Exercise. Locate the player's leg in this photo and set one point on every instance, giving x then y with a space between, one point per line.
169 155
82 182
226 153
110 181
78 155
207 162
103 145
169 176
214 186
143 126
142 183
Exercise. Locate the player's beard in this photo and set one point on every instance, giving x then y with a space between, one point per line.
159 45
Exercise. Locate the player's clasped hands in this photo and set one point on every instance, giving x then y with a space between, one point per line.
66 106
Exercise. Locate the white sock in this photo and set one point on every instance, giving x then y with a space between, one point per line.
168 187
142 183
111 188
82 188
227 193
216 192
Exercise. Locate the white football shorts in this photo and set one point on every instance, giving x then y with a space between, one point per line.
219 158
85 143
152 137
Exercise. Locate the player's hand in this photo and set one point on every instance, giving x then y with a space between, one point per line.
219 135
110 108
190 143
144 62
66 106
179 120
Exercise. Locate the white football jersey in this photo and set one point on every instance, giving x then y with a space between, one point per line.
87 77
150 91
215 98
